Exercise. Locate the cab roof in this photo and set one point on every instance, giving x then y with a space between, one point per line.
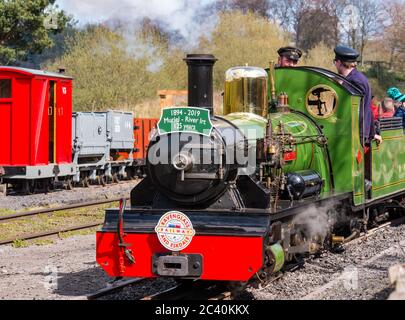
34 72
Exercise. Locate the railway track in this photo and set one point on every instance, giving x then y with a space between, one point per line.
114 286
20 215
193 290
201 290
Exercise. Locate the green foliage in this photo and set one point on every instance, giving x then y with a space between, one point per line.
22 29
383 75
377 89
381 78
320 56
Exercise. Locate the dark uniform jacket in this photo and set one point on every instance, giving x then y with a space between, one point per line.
360 80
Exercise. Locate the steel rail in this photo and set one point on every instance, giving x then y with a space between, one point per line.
196 290
52 210
113 287
50 233
56 209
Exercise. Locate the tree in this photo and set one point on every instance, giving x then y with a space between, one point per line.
260 7
365 24
394 34
23 28
310 21
309 24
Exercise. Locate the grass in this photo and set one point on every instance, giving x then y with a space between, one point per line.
83 232
6 212
43 242
20 243
48 222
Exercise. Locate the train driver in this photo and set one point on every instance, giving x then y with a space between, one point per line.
288 57
346 64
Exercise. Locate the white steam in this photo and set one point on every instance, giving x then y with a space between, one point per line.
318 220
183 17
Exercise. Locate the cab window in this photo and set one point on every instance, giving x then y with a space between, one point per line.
5 88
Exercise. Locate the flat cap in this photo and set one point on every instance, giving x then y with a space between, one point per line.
346 54
291 53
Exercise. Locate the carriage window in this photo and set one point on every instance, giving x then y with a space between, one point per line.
5 88
321 101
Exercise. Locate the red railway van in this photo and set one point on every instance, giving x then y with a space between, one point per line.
142 128
35 123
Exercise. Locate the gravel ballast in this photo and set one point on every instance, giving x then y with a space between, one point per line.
360 272
64 197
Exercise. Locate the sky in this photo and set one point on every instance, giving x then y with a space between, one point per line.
175 12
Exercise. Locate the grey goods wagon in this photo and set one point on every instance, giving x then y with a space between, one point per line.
98 138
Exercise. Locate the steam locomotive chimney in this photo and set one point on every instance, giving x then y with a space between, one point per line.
200 80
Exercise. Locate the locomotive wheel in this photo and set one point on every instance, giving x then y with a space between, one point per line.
236 288
297 240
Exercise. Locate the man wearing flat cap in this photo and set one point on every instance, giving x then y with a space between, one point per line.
346 63
288 56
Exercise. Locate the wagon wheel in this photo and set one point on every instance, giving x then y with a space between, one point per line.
85 182
115 178
18 186
47 185
3 189
51 184
69 184
101 180
30 187
130 174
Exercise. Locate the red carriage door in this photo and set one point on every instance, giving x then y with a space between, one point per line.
64 122
52 121
5 121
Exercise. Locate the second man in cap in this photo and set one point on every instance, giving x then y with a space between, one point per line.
288 56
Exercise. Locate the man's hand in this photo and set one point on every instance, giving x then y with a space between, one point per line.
378 139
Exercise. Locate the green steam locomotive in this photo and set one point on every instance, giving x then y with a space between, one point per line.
281 174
